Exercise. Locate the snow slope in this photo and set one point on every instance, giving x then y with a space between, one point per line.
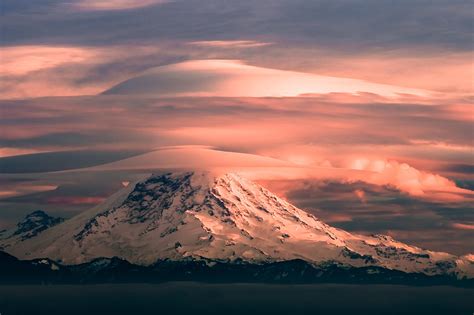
222 217
31 226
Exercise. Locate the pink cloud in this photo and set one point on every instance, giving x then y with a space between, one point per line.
417 68
378 172
230 43
75 200
20 60
463 226
403 176
21 189
98 5
195 157
337 218
4 152
39 70
233 78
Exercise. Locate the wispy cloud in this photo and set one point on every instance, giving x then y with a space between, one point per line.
230 43
99 5
5 151
75 200
21 60
463 226
35 71
41 70
23 188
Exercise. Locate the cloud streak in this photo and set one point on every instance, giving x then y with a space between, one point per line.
104 5
229 43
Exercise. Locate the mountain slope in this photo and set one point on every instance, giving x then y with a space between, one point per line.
31 226
203 215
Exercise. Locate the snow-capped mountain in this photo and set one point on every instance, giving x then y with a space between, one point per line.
221 217
31 226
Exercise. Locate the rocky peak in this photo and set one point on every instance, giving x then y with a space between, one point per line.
34 223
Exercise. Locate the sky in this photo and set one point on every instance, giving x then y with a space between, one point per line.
357 111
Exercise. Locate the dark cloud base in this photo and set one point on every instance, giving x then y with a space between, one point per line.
60 161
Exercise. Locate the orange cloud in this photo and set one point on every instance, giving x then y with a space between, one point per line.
361 195
4 152
404 177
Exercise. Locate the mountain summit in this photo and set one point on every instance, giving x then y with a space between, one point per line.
221 217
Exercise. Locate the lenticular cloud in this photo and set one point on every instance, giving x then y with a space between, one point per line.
231 78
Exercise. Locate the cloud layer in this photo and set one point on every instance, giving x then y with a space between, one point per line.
417 44
230 78
356 150
388 158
